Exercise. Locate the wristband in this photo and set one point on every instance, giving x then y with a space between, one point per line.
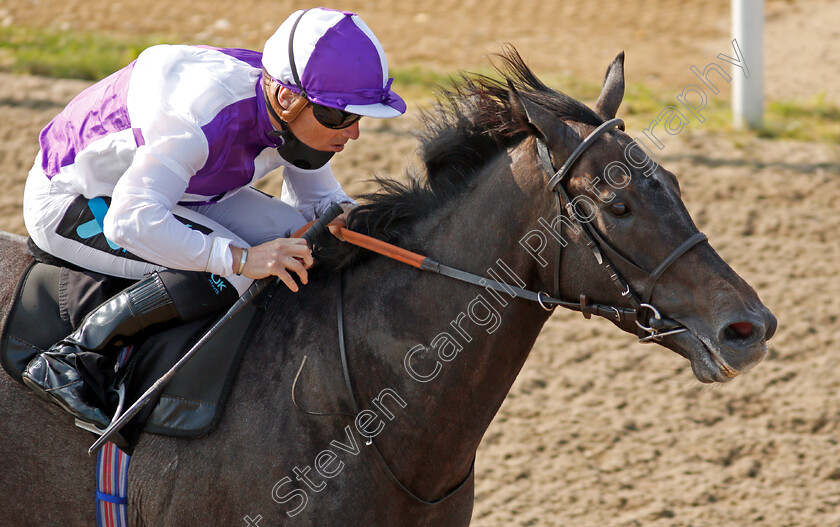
242 260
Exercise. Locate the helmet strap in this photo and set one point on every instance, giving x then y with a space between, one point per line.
292 54
291 148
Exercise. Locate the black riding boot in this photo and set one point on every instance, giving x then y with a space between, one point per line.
70 373
55 374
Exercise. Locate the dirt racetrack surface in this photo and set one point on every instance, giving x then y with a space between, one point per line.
598 429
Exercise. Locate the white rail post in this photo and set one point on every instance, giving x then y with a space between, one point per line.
748 92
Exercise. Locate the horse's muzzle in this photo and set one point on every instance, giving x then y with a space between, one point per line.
743 341
721 354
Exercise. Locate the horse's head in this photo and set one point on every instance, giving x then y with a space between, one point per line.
631 228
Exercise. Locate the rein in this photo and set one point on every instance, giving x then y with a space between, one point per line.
426 263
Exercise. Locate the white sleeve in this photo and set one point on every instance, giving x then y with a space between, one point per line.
140 217
312 191
171 94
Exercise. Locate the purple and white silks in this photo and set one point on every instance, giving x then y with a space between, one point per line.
181 125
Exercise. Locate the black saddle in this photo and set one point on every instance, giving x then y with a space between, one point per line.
51 301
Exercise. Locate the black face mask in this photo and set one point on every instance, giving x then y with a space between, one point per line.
299 154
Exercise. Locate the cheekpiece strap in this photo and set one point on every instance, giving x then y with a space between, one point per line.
591 138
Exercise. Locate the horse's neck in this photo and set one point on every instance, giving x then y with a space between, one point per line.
468 343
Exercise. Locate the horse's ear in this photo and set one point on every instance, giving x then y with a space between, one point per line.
542 123
613 90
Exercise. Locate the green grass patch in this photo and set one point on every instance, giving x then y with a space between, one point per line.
66 54
420 86
92 56
813 119
416 76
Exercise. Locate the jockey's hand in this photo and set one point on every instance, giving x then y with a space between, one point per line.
279 257
341 221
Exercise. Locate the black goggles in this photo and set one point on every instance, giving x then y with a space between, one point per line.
333 117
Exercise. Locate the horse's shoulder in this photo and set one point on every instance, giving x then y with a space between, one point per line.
10 239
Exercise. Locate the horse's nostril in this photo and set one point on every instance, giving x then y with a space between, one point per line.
742 333
742 329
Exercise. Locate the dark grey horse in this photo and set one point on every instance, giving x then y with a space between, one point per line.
430 359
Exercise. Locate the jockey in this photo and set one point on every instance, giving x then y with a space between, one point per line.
146 175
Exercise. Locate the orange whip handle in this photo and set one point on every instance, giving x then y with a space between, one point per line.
377 246
383 248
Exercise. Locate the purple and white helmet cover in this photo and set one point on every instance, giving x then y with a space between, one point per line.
339 61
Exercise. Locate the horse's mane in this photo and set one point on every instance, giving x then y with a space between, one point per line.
469 126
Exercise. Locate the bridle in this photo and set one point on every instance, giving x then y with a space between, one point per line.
648 319
654 327
651 325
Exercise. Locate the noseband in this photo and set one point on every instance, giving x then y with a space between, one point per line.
652 327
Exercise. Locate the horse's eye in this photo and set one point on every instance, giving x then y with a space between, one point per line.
619 209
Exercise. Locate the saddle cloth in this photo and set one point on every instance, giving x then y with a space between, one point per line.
51 301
